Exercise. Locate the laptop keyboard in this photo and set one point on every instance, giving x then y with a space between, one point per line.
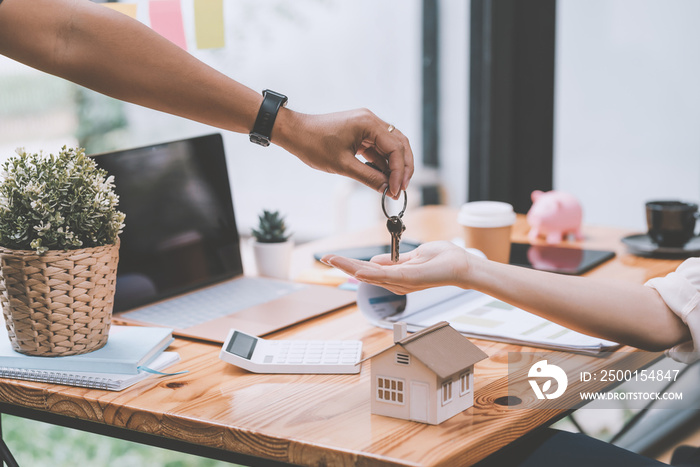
204 305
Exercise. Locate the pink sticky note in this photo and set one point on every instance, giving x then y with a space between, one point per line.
166 20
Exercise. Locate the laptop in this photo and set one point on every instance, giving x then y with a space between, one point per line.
180 260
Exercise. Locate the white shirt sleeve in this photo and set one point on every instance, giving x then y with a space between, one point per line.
681 292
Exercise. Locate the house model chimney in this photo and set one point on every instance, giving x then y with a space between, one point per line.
400 331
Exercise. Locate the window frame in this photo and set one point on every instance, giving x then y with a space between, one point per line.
447 392
465 386
399 391
511 100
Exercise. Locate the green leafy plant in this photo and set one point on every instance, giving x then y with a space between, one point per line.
271 228
62 202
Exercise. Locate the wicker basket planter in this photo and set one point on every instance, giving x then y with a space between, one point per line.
60 302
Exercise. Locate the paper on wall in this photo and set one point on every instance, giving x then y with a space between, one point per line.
166 20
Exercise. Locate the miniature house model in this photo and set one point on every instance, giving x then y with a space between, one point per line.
426 377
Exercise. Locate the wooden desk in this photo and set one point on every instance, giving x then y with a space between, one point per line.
221 411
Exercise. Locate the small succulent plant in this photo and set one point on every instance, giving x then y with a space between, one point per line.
271 228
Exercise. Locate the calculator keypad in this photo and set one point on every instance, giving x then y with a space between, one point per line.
313 353
292 356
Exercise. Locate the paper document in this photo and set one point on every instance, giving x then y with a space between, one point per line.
473 314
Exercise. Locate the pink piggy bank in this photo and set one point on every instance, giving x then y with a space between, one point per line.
554 215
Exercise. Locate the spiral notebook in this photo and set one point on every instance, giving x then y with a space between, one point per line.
109 381
127 348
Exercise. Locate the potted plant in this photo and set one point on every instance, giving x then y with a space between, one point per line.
272 245
59 248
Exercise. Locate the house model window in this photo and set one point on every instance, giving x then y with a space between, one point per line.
464 385
446 392
390 390
426 377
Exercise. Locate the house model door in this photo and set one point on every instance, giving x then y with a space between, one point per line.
419 401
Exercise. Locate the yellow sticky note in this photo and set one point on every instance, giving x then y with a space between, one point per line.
209 23
129 9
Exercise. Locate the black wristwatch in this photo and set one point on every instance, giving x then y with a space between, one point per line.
272 101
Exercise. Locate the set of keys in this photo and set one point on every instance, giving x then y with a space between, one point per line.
395 226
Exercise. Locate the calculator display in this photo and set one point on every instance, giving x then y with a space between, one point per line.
242 345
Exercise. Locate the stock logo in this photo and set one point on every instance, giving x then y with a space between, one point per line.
542 369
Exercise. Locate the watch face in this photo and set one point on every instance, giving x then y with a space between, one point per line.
281 97
259 139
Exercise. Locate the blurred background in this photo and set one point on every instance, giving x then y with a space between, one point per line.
598 98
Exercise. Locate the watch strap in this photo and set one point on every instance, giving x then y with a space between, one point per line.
262 129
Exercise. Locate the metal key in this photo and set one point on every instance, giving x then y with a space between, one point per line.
395 227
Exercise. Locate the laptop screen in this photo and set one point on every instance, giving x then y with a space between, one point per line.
180 231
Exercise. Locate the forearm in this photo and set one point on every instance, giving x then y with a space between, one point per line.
620 311
113 54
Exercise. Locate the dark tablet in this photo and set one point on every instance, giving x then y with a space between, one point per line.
559 259
365 253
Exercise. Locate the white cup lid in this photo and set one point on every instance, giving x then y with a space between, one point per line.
486 214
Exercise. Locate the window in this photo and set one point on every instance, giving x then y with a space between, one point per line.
464 384
634 102
511 99
446 392
390 390
403 359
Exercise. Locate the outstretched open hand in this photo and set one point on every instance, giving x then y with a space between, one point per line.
430 265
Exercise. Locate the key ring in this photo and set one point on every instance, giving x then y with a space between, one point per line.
405 202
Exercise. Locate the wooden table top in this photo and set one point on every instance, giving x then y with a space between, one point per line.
326 419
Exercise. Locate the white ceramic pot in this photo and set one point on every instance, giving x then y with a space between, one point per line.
273 259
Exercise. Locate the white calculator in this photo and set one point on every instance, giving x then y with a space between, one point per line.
291 356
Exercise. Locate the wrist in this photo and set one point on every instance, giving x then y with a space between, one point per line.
470 271
293 132
286 125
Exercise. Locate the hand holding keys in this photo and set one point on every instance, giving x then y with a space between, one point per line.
395 226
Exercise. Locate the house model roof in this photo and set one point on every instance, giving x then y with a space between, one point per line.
443 349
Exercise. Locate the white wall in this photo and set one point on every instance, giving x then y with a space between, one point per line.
627 105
